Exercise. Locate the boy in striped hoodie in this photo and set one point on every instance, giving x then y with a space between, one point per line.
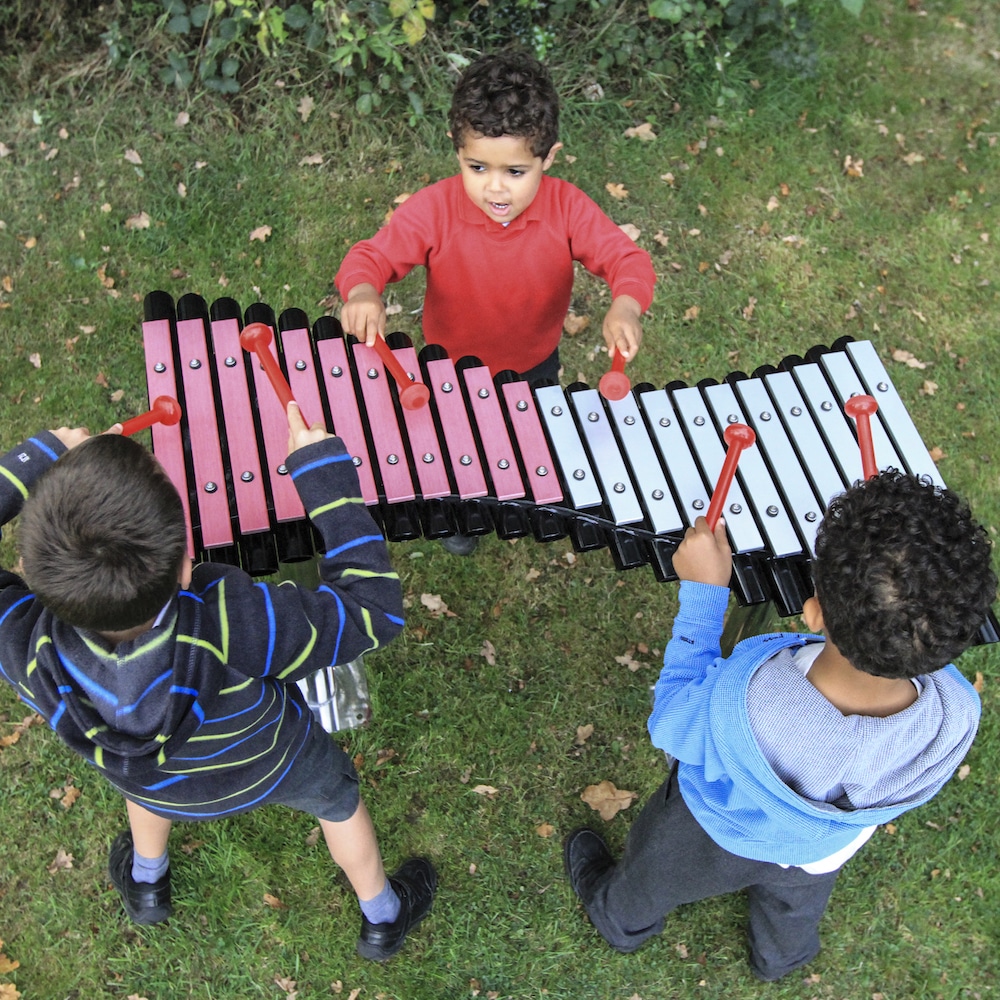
177 682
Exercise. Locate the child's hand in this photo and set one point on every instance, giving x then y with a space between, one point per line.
364 314
704 556
72 436
623 327
298 434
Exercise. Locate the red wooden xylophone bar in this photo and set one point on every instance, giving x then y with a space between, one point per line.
491 453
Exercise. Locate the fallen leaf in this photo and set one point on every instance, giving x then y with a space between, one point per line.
488 790
980 682
36 359
583 733
644 132
182 119
749 308
936 453
532 574
625 660
928 388
315 160
312 837
273 902
907 358
692 313
436 606
260 233
131 156
606 799
393 309
61 862
288 985
963 772
305 108
71 795
573 324
632 232
661 238
139 221
911 158
852 167
617 191
773 203
545 830
488 652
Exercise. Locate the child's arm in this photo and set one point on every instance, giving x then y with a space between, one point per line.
21 466
358 604
364 313
623 326
703 561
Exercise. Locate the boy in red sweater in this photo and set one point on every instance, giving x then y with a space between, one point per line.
498 240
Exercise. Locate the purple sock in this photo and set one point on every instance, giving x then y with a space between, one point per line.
383 908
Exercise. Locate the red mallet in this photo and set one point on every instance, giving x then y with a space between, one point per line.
615 383
861 409
165 410
412 394
738 437
256 339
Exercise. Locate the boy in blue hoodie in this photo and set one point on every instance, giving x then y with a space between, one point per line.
792 750
177 682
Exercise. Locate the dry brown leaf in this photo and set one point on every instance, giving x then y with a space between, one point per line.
773 203
36 359
692 313
853 167
583 733
488 790
131 156
315 160
617 191
632 232
963 772
907 358
305 108
7 964
936 453
273 902
288 985
71 795
61 862
312 838
606 799
260 233
8 991
436 606
749 308
980 682
532 574
488 652
400 198
661 238
644 132
545 829
139 221
625 660
928 388
573 324
911 158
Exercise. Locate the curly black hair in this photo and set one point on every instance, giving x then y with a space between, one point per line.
506 93
903 574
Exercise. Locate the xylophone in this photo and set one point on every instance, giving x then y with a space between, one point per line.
491 453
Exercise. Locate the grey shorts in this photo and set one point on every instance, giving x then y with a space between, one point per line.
322 780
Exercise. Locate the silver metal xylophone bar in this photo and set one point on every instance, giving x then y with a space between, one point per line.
490 453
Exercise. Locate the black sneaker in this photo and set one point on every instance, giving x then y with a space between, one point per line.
586 858
414 883
460 545
145 902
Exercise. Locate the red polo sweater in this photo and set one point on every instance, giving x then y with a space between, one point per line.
499 293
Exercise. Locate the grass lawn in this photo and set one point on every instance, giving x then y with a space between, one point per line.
863 202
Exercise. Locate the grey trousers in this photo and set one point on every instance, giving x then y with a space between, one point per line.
670 860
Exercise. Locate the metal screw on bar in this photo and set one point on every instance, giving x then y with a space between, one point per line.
247 476
732 419
735 508
826 406
593 417
159 368
356 461
194 363
372 373
772 511
503 464
210 487
282 470
446 387
336 371
557 411
300 365
698 504
522 405
428 457
765 416
541 471
230 362
465 460
619 487
579 474
811 516
484 393
393 459
796 411
629 421
657 494
664 421
699 421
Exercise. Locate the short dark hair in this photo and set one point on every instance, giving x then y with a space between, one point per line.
903 575
103 535
506 93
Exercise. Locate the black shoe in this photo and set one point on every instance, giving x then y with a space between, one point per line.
587 858
460 545
414 883
145 902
